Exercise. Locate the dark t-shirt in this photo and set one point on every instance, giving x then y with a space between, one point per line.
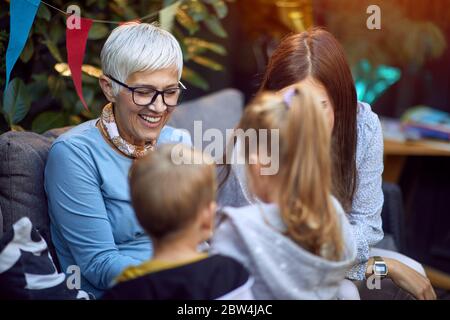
206 279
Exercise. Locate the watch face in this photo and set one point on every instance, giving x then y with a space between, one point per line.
380 269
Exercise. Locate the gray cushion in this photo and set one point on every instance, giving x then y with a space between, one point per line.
55 133
221 110
1 223
22 161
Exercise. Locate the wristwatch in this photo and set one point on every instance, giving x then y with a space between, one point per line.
379 268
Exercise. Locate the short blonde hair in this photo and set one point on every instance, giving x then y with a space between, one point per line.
167 196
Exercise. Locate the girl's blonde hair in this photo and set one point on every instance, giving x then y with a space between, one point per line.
303 182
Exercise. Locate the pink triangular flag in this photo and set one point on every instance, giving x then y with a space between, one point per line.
76 46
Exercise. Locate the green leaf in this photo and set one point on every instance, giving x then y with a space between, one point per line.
187 22
196 10
87 114
167 3
39 77
194 78
208 63
38 89
16 101
74 120
43 12
88 95
98 31
219 6
28 51
16 127
101 3
3 35
48 120
196 46
167 16
53 48
86 79
126 10
56 33
56 85
70 101
215 26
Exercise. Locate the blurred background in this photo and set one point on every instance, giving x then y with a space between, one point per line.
402 70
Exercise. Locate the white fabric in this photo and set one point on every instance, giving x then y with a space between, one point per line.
244 292
348 291
21 241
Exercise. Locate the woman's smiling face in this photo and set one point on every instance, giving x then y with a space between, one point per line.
139 125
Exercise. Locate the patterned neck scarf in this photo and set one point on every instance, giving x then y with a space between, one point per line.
110 131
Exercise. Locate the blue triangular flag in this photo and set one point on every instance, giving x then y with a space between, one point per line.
22 13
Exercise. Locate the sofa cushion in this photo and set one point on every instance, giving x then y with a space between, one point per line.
22 161
1 222
221 110
27 271
55 133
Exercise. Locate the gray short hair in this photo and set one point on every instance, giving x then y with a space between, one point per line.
139 47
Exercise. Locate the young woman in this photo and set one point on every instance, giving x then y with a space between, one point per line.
316 60
296 242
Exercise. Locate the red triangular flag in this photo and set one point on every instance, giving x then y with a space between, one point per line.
76 45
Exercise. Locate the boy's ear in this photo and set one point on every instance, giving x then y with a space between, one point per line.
105 84
207 220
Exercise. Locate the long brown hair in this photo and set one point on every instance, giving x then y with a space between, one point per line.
317 53
302 186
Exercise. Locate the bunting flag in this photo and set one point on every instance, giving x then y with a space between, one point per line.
22 14
76 44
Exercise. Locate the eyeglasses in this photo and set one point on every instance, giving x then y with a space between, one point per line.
145 95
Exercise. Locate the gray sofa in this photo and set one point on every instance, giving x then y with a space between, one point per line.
23 156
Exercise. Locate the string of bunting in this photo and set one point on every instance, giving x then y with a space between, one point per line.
22 15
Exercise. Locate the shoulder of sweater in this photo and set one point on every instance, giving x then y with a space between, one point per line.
367 120
85 134
170 134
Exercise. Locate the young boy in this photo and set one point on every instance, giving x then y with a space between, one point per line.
175 204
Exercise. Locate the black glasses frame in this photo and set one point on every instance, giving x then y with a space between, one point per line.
156 94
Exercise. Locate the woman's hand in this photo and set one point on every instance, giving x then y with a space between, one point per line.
410 280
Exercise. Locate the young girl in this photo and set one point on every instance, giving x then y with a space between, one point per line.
296 241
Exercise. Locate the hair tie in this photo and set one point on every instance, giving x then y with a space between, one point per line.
288 96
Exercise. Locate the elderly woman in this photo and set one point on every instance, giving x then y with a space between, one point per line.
86 177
